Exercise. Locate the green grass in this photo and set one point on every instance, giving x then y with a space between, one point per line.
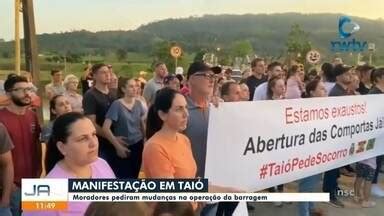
131 66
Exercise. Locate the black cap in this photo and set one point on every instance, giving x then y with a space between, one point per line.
201 67
341 69
216 69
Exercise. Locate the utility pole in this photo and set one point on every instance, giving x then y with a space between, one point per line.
17 36
31 53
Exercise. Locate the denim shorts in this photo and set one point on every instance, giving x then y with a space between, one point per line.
364 171
5 211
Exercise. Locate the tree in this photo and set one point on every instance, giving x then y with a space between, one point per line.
161 52
121 54
200 55
224 57
57 58
73 58
5 54
298 43
241 48
48 59
100 52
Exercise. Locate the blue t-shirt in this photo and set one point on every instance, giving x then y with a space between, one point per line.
197 132
125 122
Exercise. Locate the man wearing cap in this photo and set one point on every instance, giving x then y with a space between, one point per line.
378 88
343 79
201 82
343 75
156 83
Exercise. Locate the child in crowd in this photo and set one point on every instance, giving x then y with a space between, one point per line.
365 171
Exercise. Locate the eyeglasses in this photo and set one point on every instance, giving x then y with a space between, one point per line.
23 90
169 78
206 75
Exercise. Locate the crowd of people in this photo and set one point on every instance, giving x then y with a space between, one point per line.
123 127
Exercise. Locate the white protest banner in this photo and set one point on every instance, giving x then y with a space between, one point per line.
256 145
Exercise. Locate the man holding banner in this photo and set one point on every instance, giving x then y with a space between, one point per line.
201 81
378 88
293 139
343 79
315 88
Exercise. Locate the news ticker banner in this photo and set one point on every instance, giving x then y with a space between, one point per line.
253 146
56 194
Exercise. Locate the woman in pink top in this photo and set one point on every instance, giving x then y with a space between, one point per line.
72 152
295 85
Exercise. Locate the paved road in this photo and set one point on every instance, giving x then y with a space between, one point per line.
346 183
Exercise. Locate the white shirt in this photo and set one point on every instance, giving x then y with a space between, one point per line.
329 86
261 92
